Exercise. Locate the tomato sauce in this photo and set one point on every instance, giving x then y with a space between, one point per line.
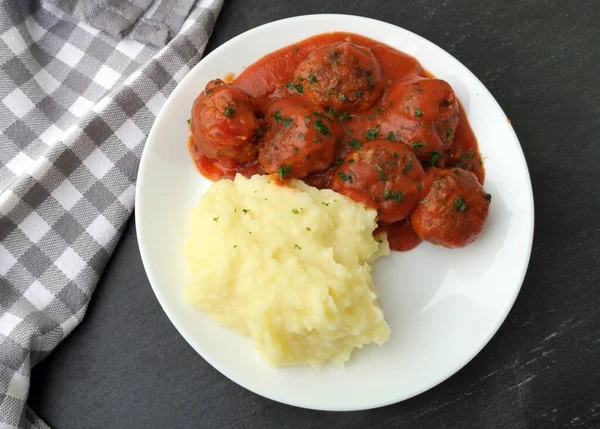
265 80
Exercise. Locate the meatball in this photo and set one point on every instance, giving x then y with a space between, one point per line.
224 124
300 138
422 113
384 174
453 213
342 76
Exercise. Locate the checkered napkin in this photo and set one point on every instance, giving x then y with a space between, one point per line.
76 105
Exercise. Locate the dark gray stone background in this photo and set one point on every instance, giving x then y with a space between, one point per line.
127 367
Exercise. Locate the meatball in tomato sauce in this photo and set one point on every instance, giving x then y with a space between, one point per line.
386 175
454 212
224 124
422 113
300 138
342 76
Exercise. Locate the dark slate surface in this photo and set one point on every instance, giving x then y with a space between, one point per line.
126 366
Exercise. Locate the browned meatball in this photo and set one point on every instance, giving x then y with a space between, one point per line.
300 138
384 174
422 113
224 124
454 212
342 76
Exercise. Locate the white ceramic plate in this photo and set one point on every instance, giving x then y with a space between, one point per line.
443 305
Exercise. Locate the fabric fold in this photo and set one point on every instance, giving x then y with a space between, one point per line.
76 105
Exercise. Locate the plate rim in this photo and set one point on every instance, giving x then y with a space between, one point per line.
483 342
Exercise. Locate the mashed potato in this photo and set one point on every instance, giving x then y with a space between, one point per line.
288 266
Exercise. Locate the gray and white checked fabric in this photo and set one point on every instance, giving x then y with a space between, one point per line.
76 105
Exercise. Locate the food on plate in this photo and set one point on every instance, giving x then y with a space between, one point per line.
289 266
343 76
386 175
224 124
454 211
423 114
299 139
341 111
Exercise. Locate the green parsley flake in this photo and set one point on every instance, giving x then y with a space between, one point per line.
278 116
299 88
312 78
435 156
321 127
417 145
358 93
189 121
418 112
324 203
372 133
297 247
246 211
390 136
283 170
208 91
307 118
345 117
228 112
288 122
295 211
216 219
389 195
308 229
355 144
488 197
460 204
408 165
345 177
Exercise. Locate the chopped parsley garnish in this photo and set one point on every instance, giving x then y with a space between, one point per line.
278 116
288 122
449 132
299 88
345 117
234 246
408 166
435 156
308 229
389 195
331 111
189 121
488 197
300 135
456 172
259 132
324 203
460 204
390 136
283 170
339 162
469 155
307 118
297 247
351 161
216 219
289 84
382 174
295 211
358 93
208 91
246 211
321 127
345 177
334 62
372 133
418 112
417 145
342 97
312 78
297 149
355 144
229 111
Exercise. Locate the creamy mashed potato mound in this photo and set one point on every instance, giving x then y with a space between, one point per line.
287 266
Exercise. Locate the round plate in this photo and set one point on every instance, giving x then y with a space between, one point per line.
442 305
